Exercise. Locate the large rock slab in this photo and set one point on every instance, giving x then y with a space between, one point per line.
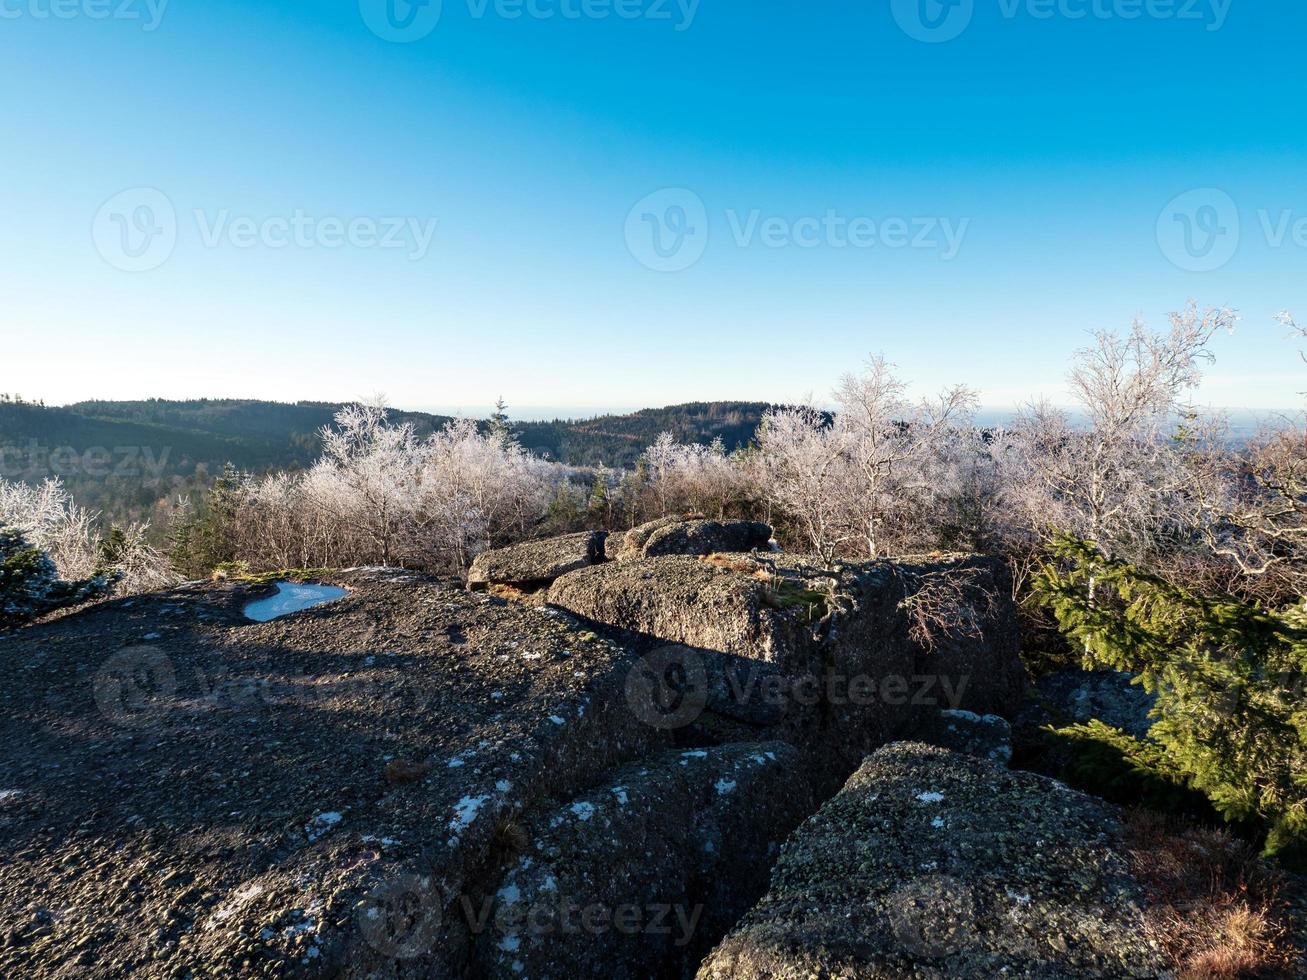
708 537
534 564
975 645
185 792
620 545
833 652
679 536
683 599
931 864
635 878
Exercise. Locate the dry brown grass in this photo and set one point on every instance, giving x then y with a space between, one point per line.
1214 906
742 564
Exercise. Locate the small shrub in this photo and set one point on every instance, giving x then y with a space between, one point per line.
30 585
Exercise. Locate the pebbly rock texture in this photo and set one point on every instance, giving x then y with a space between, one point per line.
823 659
684 599
984 736
931 864
635 878
630 544
707 537
535 564
685 536
185 792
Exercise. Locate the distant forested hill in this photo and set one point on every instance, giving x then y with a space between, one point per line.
125 458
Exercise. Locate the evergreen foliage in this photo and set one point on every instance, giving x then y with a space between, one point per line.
1230 720
30 585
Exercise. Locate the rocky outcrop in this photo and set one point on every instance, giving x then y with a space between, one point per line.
683 599
185 791
833 651
707 537
978 644
630 544
678 536
939 865
534 564
352 789
629 880
984 736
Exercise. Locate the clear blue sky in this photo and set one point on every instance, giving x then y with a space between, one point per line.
1052 146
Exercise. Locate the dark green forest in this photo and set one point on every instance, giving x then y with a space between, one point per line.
128 459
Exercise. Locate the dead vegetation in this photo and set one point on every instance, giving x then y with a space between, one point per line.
1214 906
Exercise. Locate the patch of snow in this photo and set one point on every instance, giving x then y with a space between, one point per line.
620 793
322 823
938 823
510 943
510 894
503 786
556 720
466 810
725 786
583 811
930 797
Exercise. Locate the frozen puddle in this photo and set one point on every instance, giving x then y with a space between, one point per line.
291 597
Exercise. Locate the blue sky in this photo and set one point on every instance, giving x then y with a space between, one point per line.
822 183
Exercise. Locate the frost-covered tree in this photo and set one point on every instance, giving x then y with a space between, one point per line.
70 537
691 477
898 448
1124 478
808 463
367 475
